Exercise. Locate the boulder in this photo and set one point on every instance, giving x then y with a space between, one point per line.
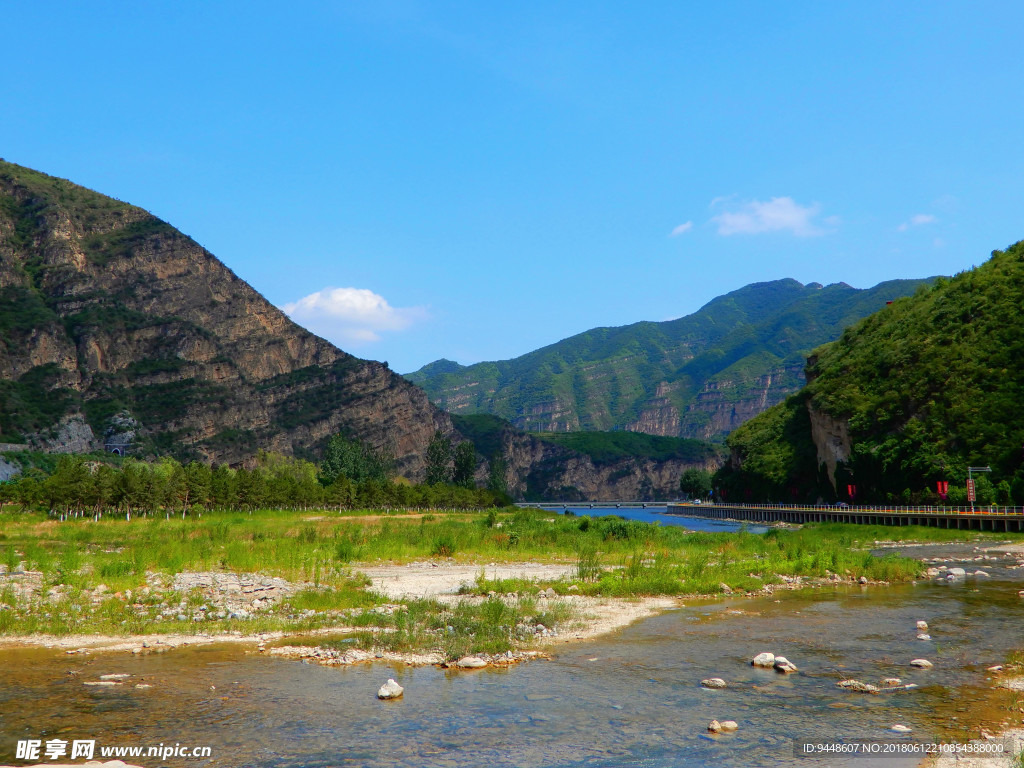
996 668
981 574
958 573
922 626
924 636
471 662
891 682
713 682
901 728
390 690
858 686
714 727
729 726
922 663
766 660
863 579
784 665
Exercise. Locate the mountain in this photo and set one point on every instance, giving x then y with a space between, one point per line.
910 396
586 466
114 325
699 376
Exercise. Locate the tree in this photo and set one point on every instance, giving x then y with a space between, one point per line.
439 459
354 459
465 465
695 483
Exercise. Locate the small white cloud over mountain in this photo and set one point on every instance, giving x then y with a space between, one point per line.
917 220
779 214
351 316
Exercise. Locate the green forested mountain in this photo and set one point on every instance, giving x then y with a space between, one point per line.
912 395
699 376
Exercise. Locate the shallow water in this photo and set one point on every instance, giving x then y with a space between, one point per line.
630 699
660 515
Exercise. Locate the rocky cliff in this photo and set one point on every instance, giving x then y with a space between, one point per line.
107 313
539 470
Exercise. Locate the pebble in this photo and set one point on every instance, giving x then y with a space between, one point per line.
763 660
713 682
858 686
922 663
901 728
390 690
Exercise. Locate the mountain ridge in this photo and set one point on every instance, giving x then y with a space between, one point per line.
698 376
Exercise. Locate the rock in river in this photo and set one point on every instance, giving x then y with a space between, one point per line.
922 663
857 685
922 626
390 690
784 665
766 660
713 682
471 662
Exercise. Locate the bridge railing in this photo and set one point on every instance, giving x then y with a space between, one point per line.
866 508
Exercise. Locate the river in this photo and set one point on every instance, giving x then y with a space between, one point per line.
630 699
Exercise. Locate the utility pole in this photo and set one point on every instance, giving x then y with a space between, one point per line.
970 483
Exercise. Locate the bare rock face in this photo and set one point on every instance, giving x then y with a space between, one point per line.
831 439
537 469
106 309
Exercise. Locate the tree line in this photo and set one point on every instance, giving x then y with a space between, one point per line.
351 476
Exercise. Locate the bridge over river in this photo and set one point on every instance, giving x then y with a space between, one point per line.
999 519
1004 519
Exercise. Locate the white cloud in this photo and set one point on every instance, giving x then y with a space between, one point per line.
355 316
780 214
681 228
917 220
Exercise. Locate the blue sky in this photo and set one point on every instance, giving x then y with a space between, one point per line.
417 180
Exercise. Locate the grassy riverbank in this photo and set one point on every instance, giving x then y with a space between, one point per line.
295 572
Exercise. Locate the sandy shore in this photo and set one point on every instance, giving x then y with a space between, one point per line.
438 580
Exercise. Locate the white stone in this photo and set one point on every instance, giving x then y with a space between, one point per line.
764 660
996 668
924 636
981 574
471 662
857 685
714 727
713 682
784 665
922 663
729 725
118 676
957 572
390 690
900 728
922 626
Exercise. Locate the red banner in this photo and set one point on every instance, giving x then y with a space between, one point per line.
970 490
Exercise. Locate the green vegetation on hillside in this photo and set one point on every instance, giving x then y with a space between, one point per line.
925 387
603 378
610 447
